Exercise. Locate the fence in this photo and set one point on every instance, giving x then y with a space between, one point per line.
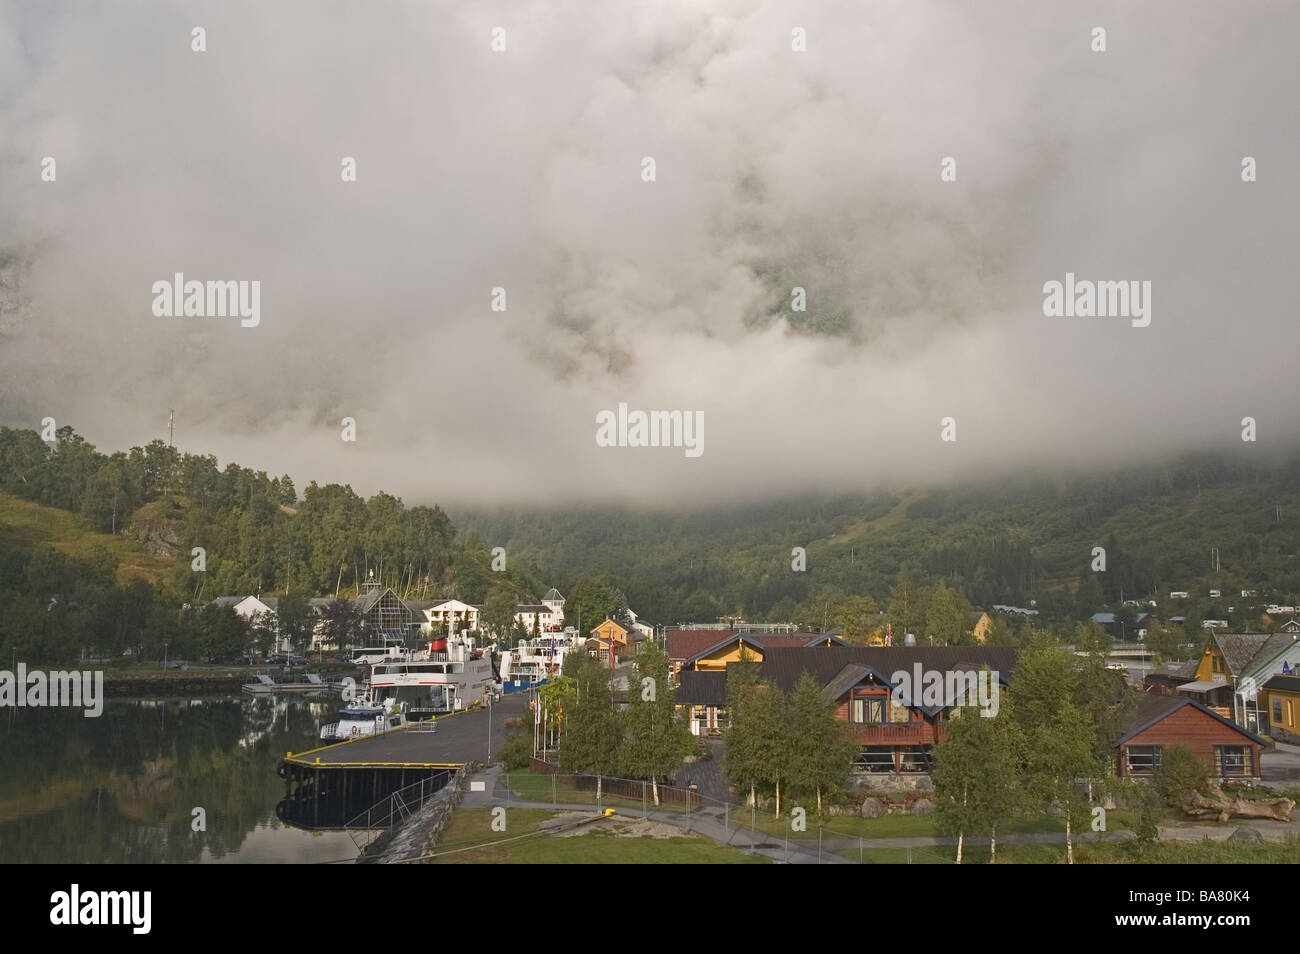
610 787
393 810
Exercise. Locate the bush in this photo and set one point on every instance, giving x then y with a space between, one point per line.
1180 773
515 752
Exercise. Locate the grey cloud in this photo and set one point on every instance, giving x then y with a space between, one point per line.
775 169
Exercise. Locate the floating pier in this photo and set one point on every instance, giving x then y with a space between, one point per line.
333 784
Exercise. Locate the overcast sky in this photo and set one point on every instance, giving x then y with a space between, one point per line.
775 169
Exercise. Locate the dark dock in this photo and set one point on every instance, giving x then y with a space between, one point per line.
333 784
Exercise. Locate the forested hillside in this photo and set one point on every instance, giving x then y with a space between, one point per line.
98 552
1199 523
255 532
1010 542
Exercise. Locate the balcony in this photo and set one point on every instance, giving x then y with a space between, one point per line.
920 733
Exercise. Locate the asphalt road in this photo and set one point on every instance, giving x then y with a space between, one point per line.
457 739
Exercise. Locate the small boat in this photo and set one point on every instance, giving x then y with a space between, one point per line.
359 720
265 685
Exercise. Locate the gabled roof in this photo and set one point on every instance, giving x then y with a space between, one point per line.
844 680
854 673
436 603
1241 650
748 639
1103 618
824 639
553 595
1152 709
704 642
785 666
1274 646
688 643
229 600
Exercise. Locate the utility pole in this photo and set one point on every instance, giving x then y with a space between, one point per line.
171 425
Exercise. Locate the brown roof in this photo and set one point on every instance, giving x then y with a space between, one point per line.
782 640
685 643
1152 709
824 663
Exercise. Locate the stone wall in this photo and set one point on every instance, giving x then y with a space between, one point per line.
418 835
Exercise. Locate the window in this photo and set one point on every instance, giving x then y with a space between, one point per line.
1233 760
1218 663
875 759
1277 710
1142 759
898 714
867 711
915 759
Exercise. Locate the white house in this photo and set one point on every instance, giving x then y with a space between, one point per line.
452 613
646 630
258 610
548 614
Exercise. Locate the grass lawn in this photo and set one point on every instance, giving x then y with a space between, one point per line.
470 828
947 855
911 826
29 524
536 787
1087 851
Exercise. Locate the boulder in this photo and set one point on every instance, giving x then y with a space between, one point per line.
872 808
922 806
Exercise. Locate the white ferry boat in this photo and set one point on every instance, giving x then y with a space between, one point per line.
533 661
364 718
449 676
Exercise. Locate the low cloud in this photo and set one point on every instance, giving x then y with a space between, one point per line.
774 169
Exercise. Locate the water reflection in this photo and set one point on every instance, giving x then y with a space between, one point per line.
123 787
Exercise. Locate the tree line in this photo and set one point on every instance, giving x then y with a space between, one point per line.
647 739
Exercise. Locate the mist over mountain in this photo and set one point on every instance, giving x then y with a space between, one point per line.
775 169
